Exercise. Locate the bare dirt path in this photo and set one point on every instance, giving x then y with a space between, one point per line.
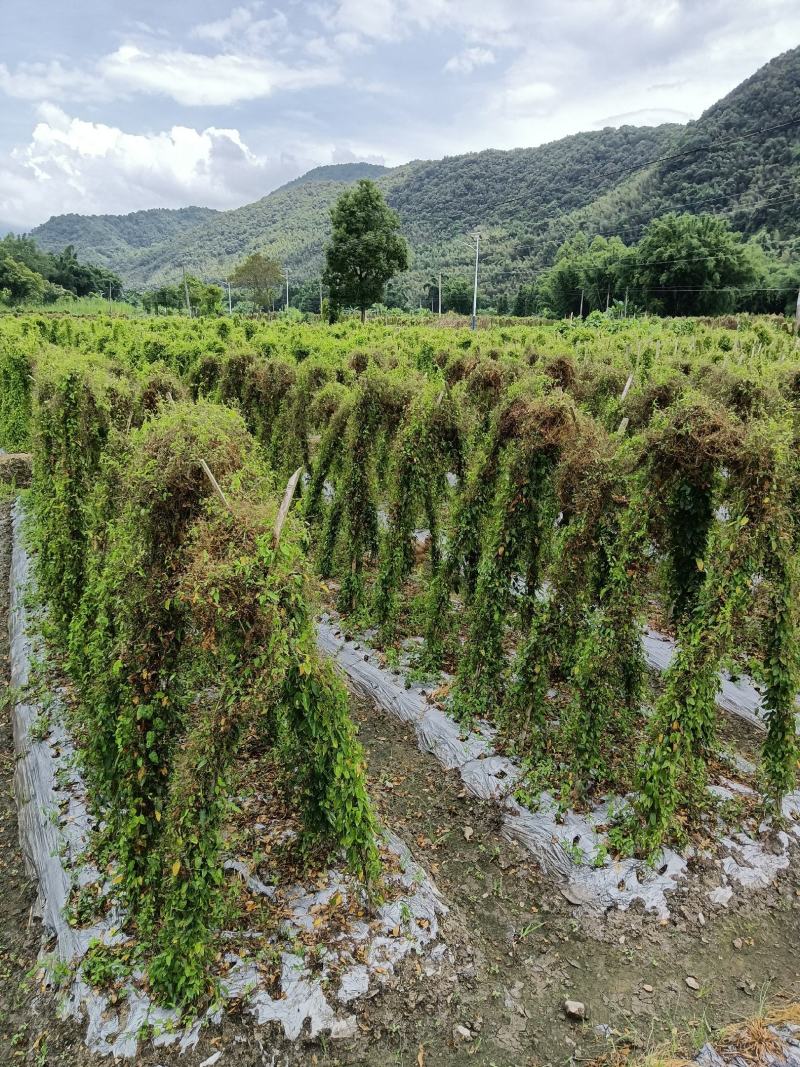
531 949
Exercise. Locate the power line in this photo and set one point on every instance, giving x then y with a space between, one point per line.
685 207
703 289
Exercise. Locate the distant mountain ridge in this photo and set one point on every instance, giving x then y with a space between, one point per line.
741 159
106 238
339 172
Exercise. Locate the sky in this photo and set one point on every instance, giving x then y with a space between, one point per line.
166 104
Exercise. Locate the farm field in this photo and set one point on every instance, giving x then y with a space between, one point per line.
396 684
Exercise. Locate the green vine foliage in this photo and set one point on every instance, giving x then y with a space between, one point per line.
609 673
250 626
15 397
686 451
781 754
552 500
428 446
683 727
78 400
132 622
771 468
516 541
351 520
524 713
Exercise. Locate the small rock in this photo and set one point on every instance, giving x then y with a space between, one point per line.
468 832
575 1009
345 1029
737 942
461 1033
574 895
647 988
692 982
211 1060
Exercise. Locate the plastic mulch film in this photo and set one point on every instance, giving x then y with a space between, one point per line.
566 845
737 696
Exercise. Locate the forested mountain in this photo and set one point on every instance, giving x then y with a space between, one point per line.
740 159
340 172
109 239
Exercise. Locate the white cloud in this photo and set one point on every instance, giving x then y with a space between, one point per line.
465 62
194 79
73 165
239 20
244 30
38 81
188 78
391 20
547 69
525 99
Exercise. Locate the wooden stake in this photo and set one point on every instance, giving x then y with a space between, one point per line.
215 484
623 426
291 485
628 384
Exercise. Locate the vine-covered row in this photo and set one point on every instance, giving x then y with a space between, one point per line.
182 620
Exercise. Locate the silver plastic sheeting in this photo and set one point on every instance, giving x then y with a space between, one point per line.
740 697
567 845
55 827
787 1055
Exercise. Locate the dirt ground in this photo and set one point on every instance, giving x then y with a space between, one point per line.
519 947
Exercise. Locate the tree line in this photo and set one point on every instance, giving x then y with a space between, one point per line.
29 275
684 264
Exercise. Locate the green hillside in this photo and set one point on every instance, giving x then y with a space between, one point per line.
109 239
740 159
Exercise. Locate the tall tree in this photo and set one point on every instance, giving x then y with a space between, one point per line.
261 275
367 248
457 296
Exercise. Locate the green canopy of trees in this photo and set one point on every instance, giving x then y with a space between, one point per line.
29 275
367 248
683 265
261 275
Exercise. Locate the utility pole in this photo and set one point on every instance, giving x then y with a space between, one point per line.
608 298
230 301
626 303
320 298
477 237
109 298
797 315
440 293
580 313
186 294
286 272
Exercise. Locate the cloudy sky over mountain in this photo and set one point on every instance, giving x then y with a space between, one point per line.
165 104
